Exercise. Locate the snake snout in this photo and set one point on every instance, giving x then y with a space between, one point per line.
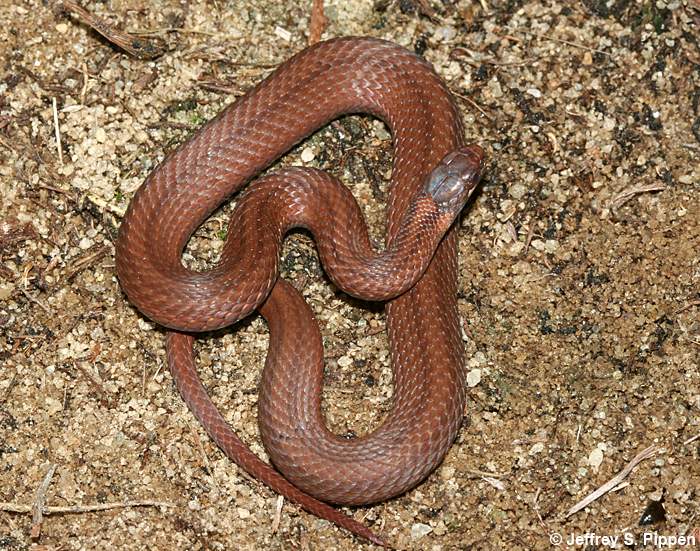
452 182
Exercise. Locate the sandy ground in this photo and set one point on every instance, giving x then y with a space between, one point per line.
579 272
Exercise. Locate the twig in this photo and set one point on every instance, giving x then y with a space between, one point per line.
12 232
104 205
318 22
57 131
560 40
473 104
494 482
54 189
424 8
131 44
614 481
691 440
276 519
86 261
77 509
624 196
5 144
528 239
5 120
39 501
203 453
484 474
467 55
9 388
221 86
86 80
35 301
687 306
96 383
537 508
183 30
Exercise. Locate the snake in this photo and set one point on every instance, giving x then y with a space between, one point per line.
434 173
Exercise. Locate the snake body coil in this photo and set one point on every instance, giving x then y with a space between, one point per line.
433 175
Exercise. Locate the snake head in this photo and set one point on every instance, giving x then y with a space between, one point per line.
452 182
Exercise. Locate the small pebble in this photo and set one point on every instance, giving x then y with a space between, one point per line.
445 33
53 405
282 33
473 378
517 191
419 530
101 135
307 155
595 458
243 513
6 290
551 245
380 130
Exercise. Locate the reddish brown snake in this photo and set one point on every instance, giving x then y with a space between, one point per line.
347 75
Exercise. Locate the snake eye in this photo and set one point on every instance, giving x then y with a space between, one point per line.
451 183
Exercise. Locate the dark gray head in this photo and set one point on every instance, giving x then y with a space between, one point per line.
452 182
